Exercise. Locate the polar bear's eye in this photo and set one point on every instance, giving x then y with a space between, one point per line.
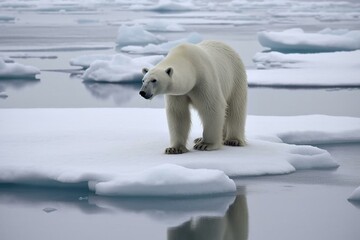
154 81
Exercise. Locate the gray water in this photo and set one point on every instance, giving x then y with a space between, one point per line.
302 205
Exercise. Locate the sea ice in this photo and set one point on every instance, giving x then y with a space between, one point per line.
308 129
113 149
168 178
136 35
17 70
162 48
355 195
296 40
85 60
120 68
316 69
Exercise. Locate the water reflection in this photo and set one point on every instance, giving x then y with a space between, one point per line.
118 93
222 217
17 84
233 225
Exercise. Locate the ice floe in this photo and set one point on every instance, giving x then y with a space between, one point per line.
120 68
136 35
162 48
355 195
168 178
17 70
334 69
296 40
112 149
308 129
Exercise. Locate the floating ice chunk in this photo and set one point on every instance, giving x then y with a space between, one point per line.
355 195
162 48
168 179
120 68
85 60
136 35
167 6
116 153
296 40
17 70
310 60
163 26
310 129
319 69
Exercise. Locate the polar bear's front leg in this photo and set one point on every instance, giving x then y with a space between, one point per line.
178 117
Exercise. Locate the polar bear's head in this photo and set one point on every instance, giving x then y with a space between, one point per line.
155 81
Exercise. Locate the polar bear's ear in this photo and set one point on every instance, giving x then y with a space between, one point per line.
169 71
145 70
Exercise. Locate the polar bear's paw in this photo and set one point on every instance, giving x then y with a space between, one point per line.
202 146
234 142
176 150
197 140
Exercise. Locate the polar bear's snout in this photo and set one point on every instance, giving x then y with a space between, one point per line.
146 92
145 95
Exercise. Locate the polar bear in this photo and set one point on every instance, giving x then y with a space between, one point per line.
211 77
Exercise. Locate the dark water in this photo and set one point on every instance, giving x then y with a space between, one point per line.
303 205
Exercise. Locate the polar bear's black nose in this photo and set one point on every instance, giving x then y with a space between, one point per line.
142 93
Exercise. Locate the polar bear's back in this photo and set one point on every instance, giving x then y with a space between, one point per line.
228 65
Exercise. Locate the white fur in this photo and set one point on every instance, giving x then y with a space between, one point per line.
211 77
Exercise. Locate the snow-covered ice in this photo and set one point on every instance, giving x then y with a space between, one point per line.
355 195
17 70
296 40
168 178
162 48
112 149
316 69
120 68
136 35
308 129
85 60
